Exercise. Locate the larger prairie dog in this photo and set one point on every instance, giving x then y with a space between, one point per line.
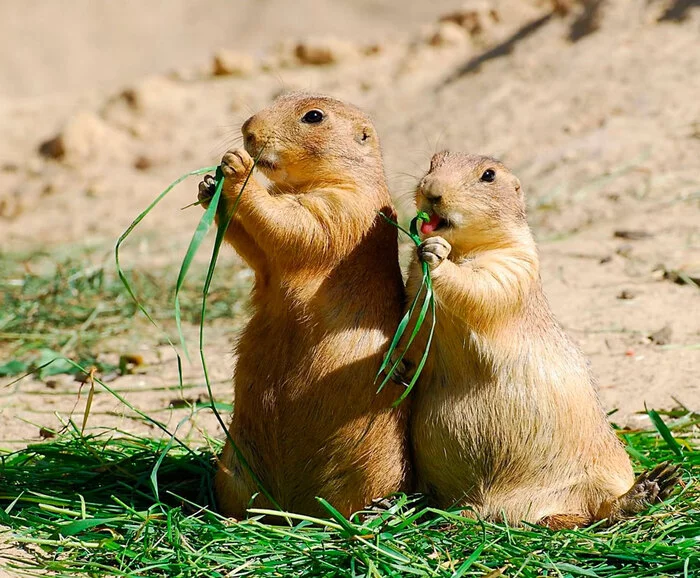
506 419
327 299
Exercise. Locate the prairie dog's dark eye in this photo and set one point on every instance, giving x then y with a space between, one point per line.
489 176
314 116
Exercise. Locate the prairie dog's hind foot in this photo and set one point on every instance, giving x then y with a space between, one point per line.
565 521
433 251
651 487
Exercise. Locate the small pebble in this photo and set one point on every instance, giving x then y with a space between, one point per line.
662 336
632 235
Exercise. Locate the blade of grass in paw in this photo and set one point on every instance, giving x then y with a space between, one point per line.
395 341
136 221
428 303
402 324
200 232
430 297
405 319
427 299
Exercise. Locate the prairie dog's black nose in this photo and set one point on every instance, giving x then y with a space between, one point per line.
245 129
431 189
250 138
250 141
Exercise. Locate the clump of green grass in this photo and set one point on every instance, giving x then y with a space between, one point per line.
72 306
388 367
111 504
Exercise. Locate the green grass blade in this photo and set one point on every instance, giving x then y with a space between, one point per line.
416 328
395 341
421 216
428 302
571 569
469 561
426 351
136 221
79 526
33 371
666 434
200 232
399 227
154 472
344 523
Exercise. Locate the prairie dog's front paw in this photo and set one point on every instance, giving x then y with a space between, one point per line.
236 165
434 251
403 373
207 188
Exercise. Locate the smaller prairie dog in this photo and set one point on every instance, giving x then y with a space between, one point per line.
506 419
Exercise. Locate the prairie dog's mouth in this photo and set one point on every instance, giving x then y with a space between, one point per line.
268 159
436 223
267 164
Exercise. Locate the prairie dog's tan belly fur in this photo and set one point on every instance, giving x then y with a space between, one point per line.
316 432
490 437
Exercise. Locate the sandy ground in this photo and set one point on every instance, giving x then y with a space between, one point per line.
596 112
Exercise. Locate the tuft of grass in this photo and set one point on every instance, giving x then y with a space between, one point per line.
73 307
89 505
388 368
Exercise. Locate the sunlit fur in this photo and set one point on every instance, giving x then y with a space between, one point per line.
506 419
327 299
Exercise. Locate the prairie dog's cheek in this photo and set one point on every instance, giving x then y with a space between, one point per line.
276 176
457 220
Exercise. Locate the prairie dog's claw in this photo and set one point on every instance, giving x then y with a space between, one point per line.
207 188
650 487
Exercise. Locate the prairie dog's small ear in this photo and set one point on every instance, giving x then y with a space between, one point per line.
437 159
518 188
365 134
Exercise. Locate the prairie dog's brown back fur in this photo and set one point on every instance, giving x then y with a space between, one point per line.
506 418
327 299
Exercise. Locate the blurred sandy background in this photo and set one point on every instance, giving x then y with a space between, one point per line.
80 45
594 105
